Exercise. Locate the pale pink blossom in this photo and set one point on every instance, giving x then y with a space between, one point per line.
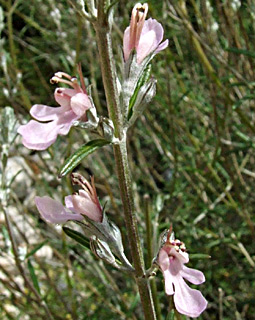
85 202
53 211
56 121
171 259
143 35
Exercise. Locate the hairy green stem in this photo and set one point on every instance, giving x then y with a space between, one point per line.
120 153
104 43
148 230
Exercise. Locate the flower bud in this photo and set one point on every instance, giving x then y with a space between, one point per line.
101 249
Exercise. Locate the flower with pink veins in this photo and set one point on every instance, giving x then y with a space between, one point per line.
143 35
85 202
171 259
56 121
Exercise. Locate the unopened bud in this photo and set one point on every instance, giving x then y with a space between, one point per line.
101 250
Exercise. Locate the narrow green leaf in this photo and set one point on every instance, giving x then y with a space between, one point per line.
243 136
248 97
170 315
199 256
33 276
111 6
143 79
213 243
75 159
77 236
134 303
242 51
7 240
242 84
14 177
38 247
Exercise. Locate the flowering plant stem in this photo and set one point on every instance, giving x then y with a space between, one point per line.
104 43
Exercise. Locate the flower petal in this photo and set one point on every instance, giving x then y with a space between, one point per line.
162 46
188 301
69 203
65 121
152 35
38 136
84 194
192 275
44 113
168 282
53 211
164 263
87 207
80 103
153 24
182 257
163 259
63 96
126 41
147 44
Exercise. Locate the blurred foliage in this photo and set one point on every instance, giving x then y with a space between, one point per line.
192 152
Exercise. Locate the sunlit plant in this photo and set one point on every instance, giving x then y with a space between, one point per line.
127 95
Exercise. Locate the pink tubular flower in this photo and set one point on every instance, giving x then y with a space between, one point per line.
143 35
84 203
53 211
73 106
171 259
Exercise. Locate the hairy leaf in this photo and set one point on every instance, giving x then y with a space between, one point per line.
77 236
75 159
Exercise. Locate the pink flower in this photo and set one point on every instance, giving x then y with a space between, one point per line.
84 203
143 35
53 211
73 106
171 259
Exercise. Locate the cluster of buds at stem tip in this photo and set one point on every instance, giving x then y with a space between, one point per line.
75 104
171 259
